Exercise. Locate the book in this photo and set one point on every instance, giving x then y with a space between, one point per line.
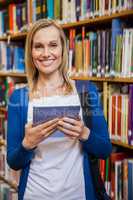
43 114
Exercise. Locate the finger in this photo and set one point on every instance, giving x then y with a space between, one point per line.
45 124
71 120
49 133
28 125
49 129
69 126
79 118
68 132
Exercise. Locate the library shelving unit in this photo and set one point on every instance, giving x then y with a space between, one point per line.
104 81
10 183
87 22
12 74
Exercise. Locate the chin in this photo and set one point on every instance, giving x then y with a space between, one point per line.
48 71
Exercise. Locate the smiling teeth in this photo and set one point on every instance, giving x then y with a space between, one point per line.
48 62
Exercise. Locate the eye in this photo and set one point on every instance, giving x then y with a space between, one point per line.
38 46
53 45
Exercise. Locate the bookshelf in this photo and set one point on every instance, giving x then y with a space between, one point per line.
87 22
2 142
10 183
3 109
117 143
91 23
12 74
104 79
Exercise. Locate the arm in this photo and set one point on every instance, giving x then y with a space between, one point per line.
17 156
98 142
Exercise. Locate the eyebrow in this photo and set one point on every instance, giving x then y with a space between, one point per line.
49 42
54 41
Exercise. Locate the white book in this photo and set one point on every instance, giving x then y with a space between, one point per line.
103 7
83 9
68 11
64 11
124 53
130 50
4 56
127 55
109 8
70 61
73 11
125 4
1 23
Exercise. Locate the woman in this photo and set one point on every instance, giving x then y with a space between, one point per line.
53 156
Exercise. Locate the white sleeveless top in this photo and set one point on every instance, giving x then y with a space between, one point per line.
56 171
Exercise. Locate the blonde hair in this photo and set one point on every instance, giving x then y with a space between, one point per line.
32 72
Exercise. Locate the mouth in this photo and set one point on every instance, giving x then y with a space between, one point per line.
47 62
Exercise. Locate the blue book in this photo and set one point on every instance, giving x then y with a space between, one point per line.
42 114
130 179
9 57
50 9
19 64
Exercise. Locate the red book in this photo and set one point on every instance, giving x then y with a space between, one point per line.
102 169
113 158
119 116
11 15
113 115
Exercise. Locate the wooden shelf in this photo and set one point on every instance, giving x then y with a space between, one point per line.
3 109
101 19
117 143
96 79
86 22
2 142
5 3
104 79
12 74
10 183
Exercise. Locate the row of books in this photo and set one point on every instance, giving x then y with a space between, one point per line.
75 10
6 88
3 126
7 193
120 113
117 172
13 18
3 165
79 10
12 57
5 171
101 53
18 15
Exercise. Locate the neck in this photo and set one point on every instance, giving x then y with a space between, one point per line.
50 81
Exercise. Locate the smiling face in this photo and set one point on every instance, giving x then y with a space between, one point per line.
47 50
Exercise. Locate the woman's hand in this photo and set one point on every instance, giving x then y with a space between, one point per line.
34 135
73 128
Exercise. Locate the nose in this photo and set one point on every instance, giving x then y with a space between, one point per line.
45 52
